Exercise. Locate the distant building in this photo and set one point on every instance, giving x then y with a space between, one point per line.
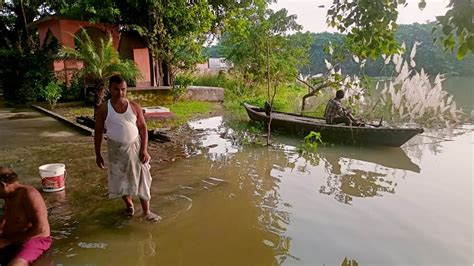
218 64
214 65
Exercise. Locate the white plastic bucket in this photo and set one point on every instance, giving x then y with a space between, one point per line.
53 177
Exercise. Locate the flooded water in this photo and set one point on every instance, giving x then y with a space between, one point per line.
463 90
232 204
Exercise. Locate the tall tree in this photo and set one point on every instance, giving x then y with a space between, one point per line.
261 47
15 16
261 44
371 25
173 30
25 66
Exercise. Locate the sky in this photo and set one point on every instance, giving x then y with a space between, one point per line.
313 18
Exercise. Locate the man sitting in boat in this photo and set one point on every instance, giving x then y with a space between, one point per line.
336 114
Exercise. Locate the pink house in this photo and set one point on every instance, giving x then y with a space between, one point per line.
129 45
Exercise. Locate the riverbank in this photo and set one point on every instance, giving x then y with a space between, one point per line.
30 138
175 128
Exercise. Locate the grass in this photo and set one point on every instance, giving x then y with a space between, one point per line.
287 99
183 111
72 112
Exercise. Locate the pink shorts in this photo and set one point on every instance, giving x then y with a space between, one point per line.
32 249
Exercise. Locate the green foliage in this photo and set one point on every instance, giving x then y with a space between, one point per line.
173 30
101 62
311 142
75 89
457 28
22 75
245 132
233 85
260 46
91 10
51 93
252 134
14 18
214 51
371 25
181 84
287 99
429 55
25 67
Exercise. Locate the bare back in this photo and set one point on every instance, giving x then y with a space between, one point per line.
23 211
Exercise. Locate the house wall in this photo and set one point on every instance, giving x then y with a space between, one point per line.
133 47
129 45
142 59
65 29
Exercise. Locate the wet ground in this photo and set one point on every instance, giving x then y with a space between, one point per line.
225 202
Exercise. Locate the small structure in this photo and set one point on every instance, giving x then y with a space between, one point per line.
218 64
213 65
157 113
129 45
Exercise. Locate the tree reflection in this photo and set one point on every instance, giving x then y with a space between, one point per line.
361 173
358 184
256 179
346 173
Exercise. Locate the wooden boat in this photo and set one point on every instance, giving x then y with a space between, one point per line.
368 135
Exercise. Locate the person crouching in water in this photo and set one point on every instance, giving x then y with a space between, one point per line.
127 141
336 114
25 233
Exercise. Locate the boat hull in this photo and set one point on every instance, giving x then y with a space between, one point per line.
381 136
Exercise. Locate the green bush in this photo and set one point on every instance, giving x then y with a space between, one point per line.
181 83
233 87
51 93
23 74
75 90
288 97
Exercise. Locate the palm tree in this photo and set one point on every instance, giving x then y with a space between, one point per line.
100 63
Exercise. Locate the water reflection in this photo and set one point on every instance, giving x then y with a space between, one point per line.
356 172
215 138
349 171
233 204
363 173
343 173
146 247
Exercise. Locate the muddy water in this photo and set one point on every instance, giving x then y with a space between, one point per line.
233 204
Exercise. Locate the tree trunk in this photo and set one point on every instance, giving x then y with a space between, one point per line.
152 68
168 79
25 24
99 95
269 126
311 92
